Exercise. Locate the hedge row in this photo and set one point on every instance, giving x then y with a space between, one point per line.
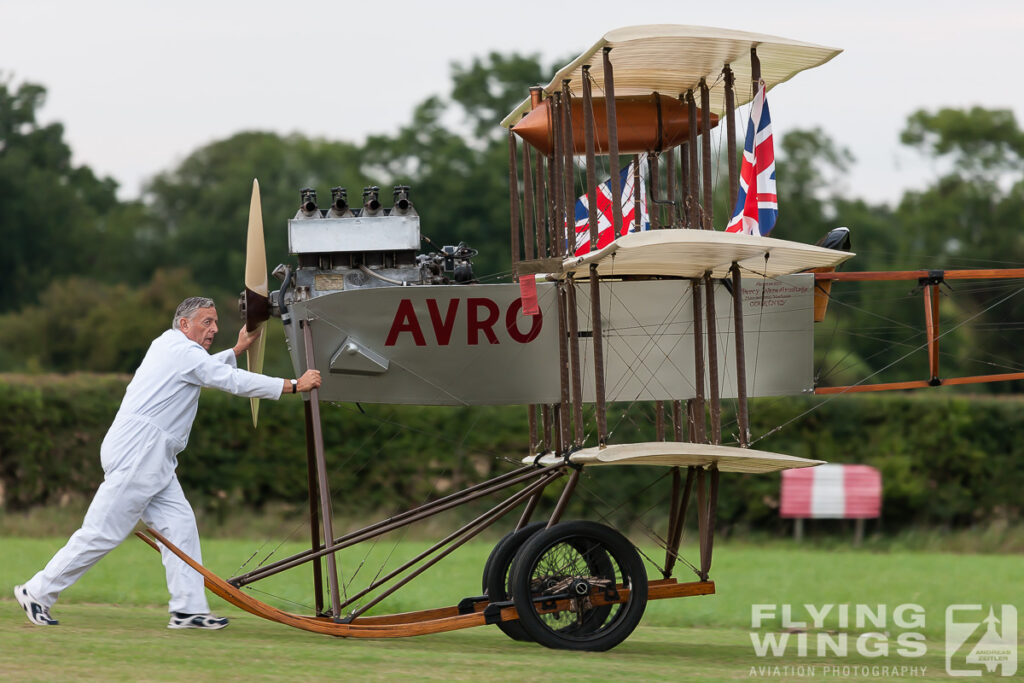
945 460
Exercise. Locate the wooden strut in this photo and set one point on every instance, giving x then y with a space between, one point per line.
422 622
696 406
577 371
742 415
513 190
326 516
680 506
314 510
930 281
692 208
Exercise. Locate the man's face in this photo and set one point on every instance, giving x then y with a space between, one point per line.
201 327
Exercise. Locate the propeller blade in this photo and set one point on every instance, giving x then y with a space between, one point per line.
257 290
254 361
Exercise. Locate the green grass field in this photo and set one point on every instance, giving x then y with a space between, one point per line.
113 620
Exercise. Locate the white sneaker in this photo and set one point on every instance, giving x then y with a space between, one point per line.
34 610
208 621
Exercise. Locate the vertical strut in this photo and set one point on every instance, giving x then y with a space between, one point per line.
321 471
742 416
730 119
693 207
613 142
577 371
931 323
697 404
529 220
513 191
314 511
588 133
712 334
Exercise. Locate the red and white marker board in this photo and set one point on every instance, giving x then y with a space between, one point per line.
832 492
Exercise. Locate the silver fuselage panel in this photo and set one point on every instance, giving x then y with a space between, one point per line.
471 344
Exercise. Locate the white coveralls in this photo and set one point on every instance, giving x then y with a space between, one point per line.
139 457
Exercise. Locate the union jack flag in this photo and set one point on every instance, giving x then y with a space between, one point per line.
757 205
605 233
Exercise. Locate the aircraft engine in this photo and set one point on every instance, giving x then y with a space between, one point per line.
344 248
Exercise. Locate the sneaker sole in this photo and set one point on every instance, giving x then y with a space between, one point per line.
21 594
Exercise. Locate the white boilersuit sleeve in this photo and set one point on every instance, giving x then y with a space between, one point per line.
226 356
219 373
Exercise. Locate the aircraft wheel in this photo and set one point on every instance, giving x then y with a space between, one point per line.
496 573
565 568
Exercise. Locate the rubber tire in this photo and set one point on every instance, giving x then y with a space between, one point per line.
603 628
496 571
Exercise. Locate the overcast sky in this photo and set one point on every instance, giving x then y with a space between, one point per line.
140 84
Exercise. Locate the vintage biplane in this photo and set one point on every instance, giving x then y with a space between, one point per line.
676 315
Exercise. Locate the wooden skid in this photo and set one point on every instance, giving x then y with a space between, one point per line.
405 624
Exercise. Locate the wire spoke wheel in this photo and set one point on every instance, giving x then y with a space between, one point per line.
568 584
497 572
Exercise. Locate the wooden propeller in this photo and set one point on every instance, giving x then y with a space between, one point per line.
257 291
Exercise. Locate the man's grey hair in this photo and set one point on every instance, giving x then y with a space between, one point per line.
188 307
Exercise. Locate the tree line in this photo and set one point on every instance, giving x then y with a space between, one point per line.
89 279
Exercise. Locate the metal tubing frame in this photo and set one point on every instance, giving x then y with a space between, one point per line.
455 539
563 500
503 481
676 533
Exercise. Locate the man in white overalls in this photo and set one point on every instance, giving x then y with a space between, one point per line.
139 456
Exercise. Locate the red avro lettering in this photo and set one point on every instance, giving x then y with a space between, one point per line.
405 321
512 323
475 325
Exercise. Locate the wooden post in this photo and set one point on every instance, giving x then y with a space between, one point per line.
321 472
314 510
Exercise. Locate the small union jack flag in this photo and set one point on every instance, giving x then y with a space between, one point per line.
757 205
605 234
